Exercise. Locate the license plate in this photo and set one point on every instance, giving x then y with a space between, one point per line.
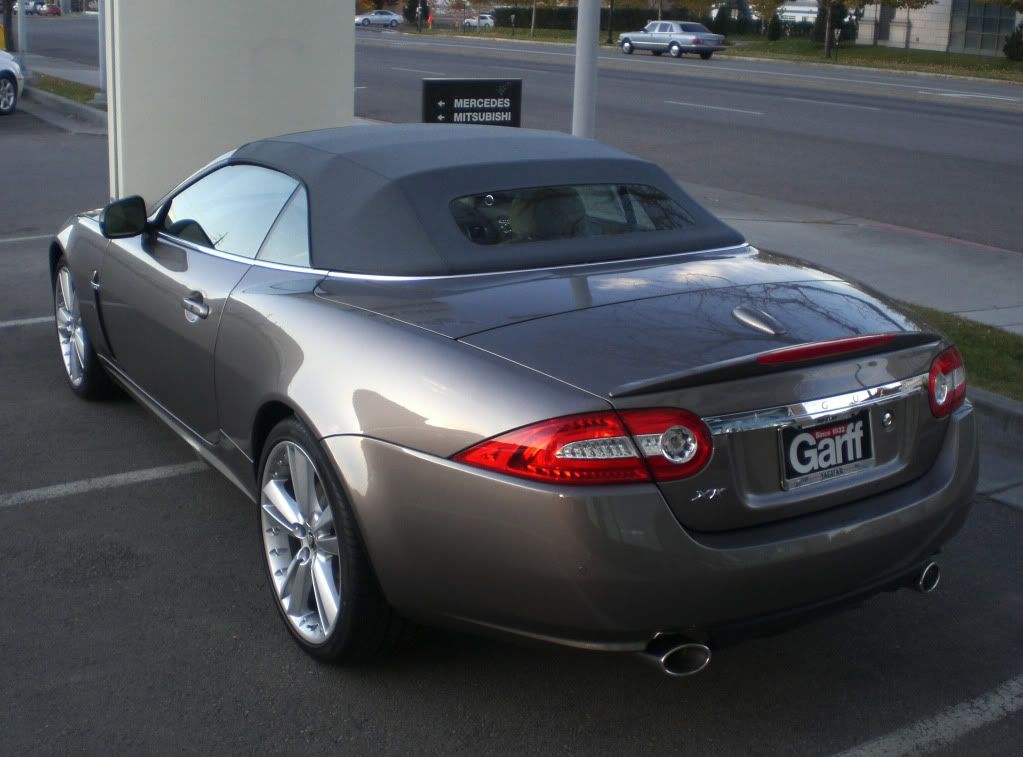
825 451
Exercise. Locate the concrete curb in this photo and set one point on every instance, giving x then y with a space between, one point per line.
67 110
997 413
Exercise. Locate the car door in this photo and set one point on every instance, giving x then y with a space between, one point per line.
644 39
163 292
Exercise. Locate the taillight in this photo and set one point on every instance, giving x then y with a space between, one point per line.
947 385
599 448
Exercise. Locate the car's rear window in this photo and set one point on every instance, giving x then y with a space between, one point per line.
578 211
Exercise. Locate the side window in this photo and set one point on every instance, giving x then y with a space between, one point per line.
230 210
662 28
288 240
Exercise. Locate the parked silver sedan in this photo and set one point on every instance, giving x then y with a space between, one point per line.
551 397
674 37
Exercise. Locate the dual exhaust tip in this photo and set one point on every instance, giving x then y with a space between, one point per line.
679 657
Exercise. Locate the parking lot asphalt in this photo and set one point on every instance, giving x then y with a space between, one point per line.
137 619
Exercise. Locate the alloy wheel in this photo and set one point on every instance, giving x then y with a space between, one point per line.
7 94
70 333
300 542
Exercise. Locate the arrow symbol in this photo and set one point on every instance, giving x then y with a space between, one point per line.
441 103
440 116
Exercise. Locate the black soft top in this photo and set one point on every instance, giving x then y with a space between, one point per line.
379 196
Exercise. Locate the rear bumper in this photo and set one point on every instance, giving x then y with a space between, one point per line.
606 568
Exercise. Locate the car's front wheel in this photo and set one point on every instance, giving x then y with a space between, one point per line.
365 22
82 368
8 94
675 50
319 573
627 47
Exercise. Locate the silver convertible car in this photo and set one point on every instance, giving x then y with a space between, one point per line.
673 37
520 382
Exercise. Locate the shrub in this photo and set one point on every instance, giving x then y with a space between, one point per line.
774 28
1014 44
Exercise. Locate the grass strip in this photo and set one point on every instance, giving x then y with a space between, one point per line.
896 59
801 50
72 90
993 356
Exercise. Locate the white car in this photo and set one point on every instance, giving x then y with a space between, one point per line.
12 82
483 21
379 18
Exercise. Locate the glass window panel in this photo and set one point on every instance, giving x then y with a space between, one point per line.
972 41
230 210
973 24
288 240
566 212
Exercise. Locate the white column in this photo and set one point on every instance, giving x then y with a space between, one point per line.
22 36
584 104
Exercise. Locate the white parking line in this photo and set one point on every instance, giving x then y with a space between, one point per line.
714 107
103 482
945 728
26 322
418 71
970 95
825 102
36 238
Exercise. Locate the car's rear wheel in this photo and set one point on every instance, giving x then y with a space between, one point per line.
675 50
82 368
627 47
8 94
319 573
393 24
706 56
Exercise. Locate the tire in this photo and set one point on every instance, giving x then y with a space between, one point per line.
8 94
365 22
675 50
82 368
706 56
339 613
627 47
393 24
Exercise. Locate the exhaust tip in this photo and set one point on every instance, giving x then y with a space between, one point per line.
928 579
686 660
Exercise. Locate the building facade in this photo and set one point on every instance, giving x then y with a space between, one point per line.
954 26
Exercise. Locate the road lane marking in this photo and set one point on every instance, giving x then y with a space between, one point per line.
714 107
826 102
946 728
418 71
36 238
102 482
725 67
362 87
25 322
979 97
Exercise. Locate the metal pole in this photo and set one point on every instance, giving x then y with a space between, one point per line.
584 104
610 22
101 96
22 36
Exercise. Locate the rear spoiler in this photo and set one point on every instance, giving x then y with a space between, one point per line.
773 361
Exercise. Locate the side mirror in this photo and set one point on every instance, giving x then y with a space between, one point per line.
124 218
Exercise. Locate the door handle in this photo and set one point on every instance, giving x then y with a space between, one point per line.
94 281
194 305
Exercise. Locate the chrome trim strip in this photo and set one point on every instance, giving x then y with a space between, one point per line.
813 410
661 259
381 277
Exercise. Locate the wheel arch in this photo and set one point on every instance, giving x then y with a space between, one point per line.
55 254
269 415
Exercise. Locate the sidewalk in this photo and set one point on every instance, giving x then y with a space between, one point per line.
63 69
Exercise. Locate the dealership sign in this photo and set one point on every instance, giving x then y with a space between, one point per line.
496 102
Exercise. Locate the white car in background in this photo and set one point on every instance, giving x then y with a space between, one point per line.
12 82
483 21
